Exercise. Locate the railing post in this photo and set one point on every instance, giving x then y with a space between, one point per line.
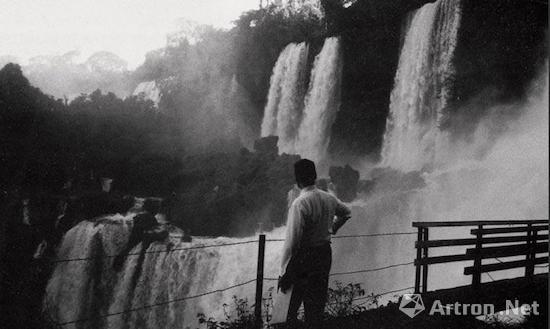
259 281
425 266
417 263
476 276
530 257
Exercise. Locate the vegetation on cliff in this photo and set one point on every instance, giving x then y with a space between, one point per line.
45 142
215 82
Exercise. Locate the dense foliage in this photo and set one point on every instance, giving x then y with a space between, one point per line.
44 142
24 112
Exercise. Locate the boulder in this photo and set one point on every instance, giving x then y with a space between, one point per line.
345 180
267 146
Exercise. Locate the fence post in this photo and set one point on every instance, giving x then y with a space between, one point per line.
259 281
476 277
417 262
425 266
530 257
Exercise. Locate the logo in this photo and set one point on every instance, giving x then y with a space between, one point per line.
412 305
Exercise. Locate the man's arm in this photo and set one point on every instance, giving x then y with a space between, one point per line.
343 213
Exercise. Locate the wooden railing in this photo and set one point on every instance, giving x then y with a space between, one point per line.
491 240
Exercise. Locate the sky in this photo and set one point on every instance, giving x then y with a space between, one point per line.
128 28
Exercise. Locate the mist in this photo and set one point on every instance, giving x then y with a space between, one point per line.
499 173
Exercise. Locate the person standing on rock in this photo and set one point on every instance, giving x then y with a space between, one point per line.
307 256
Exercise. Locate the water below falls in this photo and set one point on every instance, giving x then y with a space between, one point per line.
88 287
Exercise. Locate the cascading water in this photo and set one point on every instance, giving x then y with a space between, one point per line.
322 102
303 125
419 99
284 106
89 288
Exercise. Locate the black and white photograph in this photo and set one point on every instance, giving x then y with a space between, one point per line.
274 164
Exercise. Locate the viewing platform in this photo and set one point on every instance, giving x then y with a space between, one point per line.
493 246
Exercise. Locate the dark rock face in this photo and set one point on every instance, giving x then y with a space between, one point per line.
388 179
501 47
345 180
267 146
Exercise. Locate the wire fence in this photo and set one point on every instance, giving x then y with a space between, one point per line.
219 245
144 307
175 300
366 298
371 269
154 251
213 246
356 236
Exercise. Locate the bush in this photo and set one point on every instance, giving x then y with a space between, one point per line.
237 316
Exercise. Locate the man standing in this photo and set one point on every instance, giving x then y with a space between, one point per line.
313 216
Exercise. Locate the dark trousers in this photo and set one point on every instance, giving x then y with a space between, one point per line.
311 268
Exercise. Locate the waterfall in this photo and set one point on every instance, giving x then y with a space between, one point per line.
286 94
292 97
321 103
303 122
90 288
511 181
419 100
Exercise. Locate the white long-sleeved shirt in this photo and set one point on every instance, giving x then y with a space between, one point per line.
310 220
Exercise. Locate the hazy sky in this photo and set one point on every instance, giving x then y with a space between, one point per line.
128 28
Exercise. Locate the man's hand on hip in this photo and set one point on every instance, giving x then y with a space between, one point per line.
284 283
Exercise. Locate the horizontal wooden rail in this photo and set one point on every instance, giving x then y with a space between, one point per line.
480 222
508 251
472 241
443 259
528 241
505 265
502 230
